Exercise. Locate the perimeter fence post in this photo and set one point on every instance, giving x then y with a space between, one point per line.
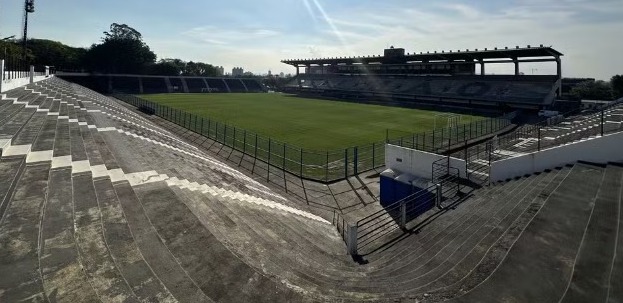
438 195
301 162
602 123
539 139
356 160
346 163
374 154
351 242
268 167
326 174
1 73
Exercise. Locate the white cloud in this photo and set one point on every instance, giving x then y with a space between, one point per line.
564 24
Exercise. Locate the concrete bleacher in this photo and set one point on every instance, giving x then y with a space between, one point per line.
100 203
142 84
521 91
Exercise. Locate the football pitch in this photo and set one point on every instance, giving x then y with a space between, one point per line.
313 124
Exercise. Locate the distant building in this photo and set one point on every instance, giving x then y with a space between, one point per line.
270 73
237 72
221 70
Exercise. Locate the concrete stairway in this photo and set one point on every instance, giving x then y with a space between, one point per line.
556 257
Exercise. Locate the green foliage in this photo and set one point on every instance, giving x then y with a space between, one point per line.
121 51
617 86
314 124
592 90
119 56
177 67
10 49
122 32
48 52
200 69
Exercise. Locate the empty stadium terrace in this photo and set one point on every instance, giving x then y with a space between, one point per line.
101 201
141 84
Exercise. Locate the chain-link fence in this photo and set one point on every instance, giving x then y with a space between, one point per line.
324 166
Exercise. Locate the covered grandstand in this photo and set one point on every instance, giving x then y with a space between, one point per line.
433 78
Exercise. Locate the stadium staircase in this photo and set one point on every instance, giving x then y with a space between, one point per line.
557 131
100 204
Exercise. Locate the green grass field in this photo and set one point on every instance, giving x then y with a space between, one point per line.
309 123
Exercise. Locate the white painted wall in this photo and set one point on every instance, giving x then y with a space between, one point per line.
415 162
604 149
15 83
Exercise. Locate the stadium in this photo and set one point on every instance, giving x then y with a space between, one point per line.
402 177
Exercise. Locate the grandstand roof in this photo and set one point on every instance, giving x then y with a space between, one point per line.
467 55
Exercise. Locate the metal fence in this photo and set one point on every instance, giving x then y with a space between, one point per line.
14 67
555 131
441 139
323 166
366 232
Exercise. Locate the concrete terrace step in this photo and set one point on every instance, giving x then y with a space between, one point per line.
19 238
94 253
435 226
615 280
63 277
557 230
128 258
160 259
438 258
219 273
593 264
485 257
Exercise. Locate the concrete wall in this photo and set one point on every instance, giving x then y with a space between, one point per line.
15 83
415 162
604 149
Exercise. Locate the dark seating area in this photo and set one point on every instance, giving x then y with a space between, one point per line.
252 86
158 85
125 84
154 85
236 86
196 85
176 85
217 85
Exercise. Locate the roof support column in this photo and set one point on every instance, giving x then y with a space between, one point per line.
559 74
516 66
298 79
482 67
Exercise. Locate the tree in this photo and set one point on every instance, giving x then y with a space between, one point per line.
167 67
121 32
122 51
592 90
48 52
10 49
200 69
617 86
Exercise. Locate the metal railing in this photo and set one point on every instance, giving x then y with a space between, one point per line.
14 67
441 139
367 231
556 131
323 166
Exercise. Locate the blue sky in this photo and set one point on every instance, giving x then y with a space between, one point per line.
256 34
